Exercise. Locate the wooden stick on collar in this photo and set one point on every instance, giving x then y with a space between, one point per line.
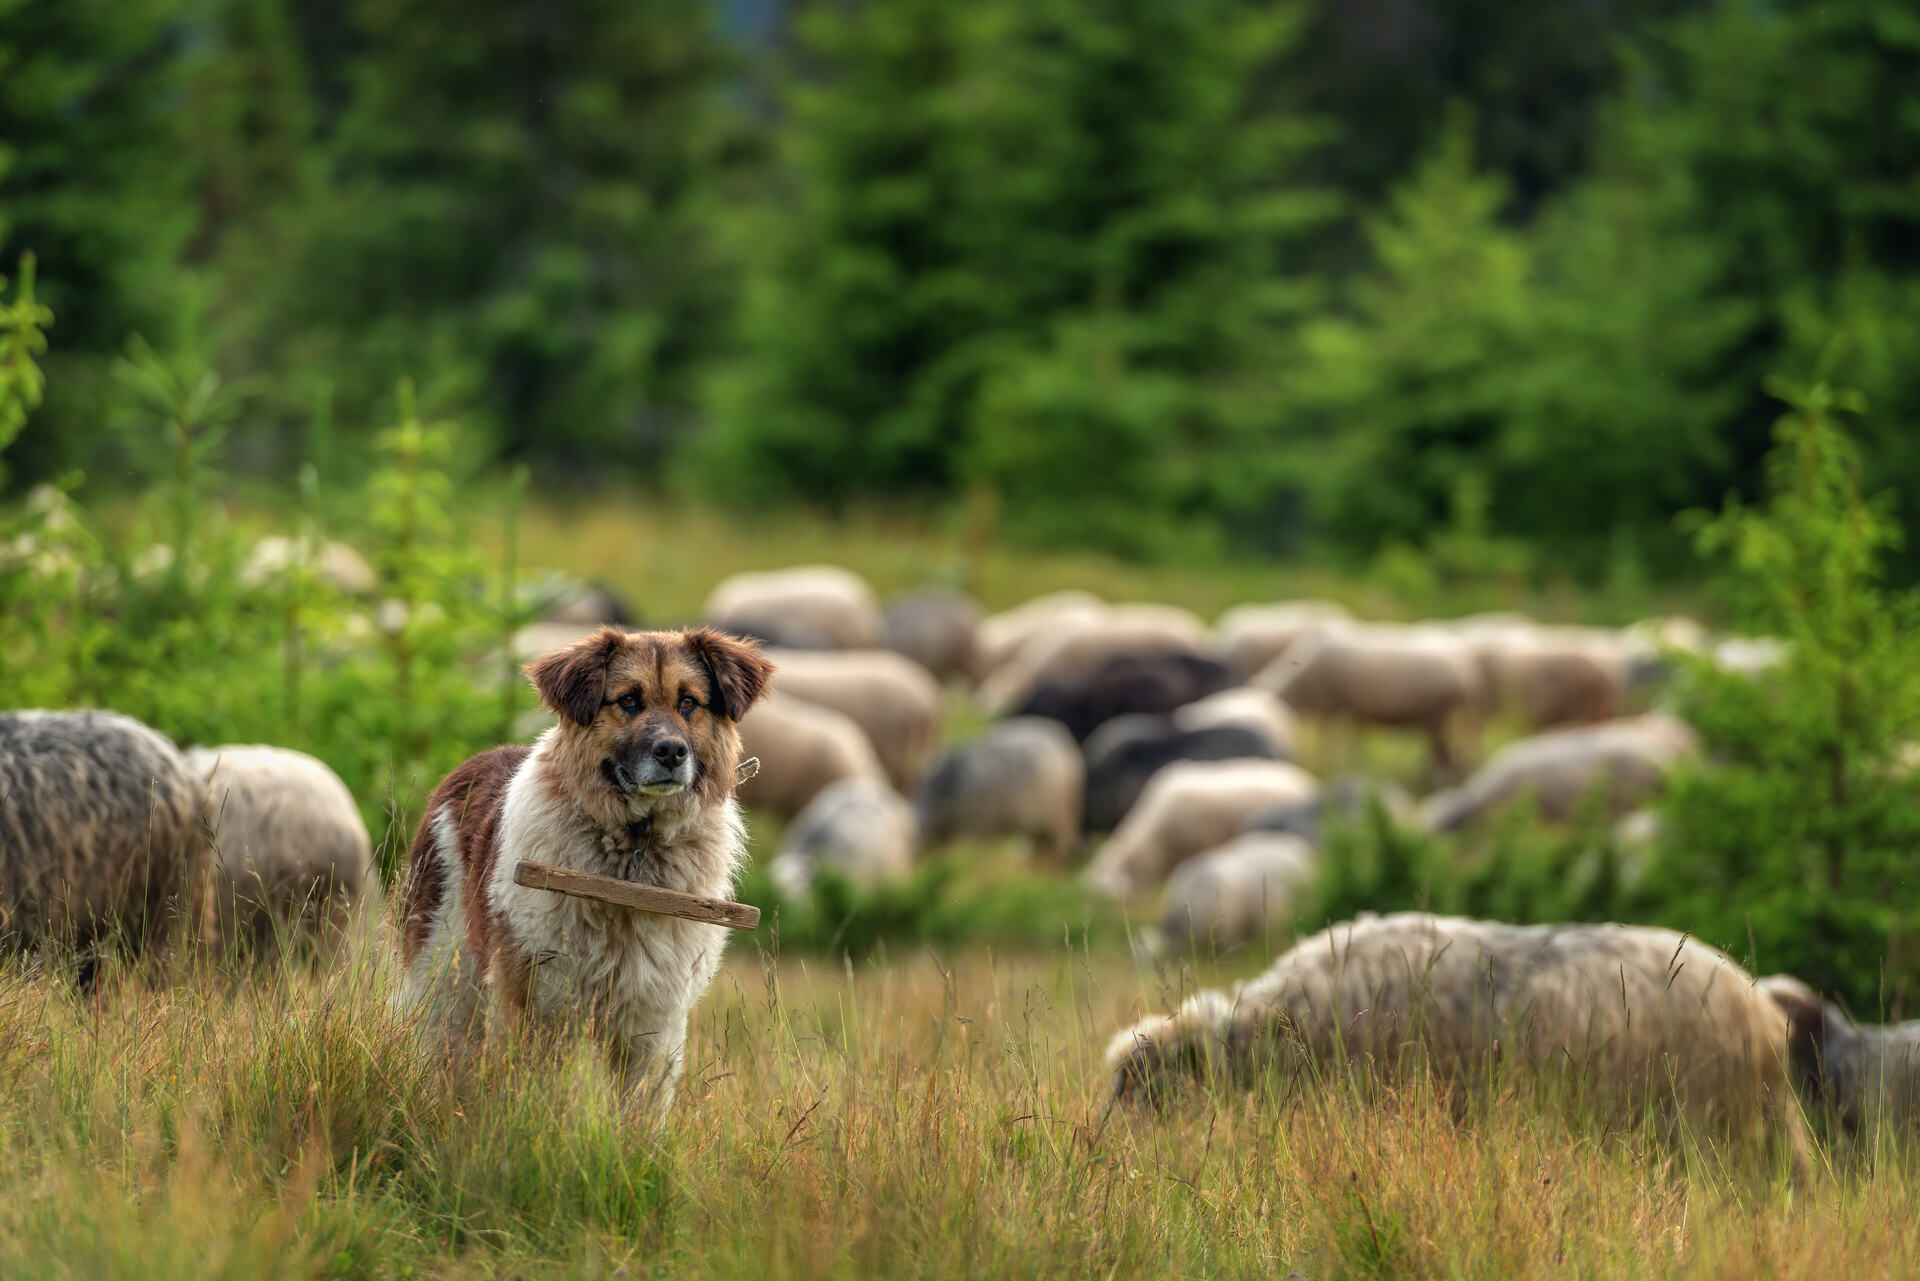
645 898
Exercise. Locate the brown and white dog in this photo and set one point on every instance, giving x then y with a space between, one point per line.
636 780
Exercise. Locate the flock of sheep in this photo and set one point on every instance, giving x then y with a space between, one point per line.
1165 745
1173 740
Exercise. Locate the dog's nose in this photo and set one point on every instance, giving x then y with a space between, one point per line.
670 751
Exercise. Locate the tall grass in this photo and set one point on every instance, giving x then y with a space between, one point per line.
935 1116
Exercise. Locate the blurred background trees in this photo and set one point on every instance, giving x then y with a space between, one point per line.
1300 278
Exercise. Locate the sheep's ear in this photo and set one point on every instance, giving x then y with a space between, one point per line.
1806 1023
740 672
573 681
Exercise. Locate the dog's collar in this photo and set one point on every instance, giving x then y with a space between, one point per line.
640 835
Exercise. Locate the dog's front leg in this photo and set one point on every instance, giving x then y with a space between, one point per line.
646 1070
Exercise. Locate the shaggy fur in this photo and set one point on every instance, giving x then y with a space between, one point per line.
1645 1015
802 749
292 860
601 792
100 836
1022 777
1188 807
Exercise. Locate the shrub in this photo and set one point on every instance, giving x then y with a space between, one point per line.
1795 838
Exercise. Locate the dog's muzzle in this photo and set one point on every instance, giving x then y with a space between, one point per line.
662 767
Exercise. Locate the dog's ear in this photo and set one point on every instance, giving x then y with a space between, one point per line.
739 670
573 681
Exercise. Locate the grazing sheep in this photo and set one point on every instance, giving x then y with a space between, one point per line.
1251 636
332 562
1228 895
1750 655
859 827
1123 685
547 635
937 630
292 860
1005 634
1868 1075
889 696
1643 1014
592 605
1381 674
1021 777
806 607
802 748
1188 807
1629 759
1254 709
1347 799
1549 675
1079 644
100 836
1124 754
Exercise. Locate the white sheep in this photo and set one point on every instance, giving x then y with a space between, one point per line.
1627 760
893 699
1643 1015
1228 895
293 862
1382 674
802 747
1187 807
1251 636
806 607
858 827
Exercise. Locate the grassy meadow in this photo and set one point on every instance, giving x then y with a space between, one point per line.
903 1081
930 1115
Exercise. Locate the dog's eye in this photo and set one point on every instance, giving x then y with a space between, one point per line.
687 703
628 702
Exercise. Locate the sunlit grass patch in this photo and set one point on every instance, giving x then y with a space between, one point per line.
940 1113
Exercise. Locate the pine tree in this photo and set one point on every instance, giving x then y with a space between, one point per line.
1028 247
516 214
864 302
1796 842
90 102
1154 206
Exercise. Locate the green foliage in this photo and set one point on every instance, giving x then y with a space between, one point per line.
1493 385
22 342
513 208
945 901
170 619
1025 245
1514 870
1796 839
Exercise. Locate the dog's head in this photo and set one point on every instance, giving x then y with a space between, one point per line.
653 713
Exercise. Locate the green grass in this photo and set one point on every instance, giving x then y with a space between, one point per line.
933 1116
667 555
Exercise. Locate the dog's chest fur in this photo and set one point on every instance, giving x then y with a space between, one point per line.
528 952
577 956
